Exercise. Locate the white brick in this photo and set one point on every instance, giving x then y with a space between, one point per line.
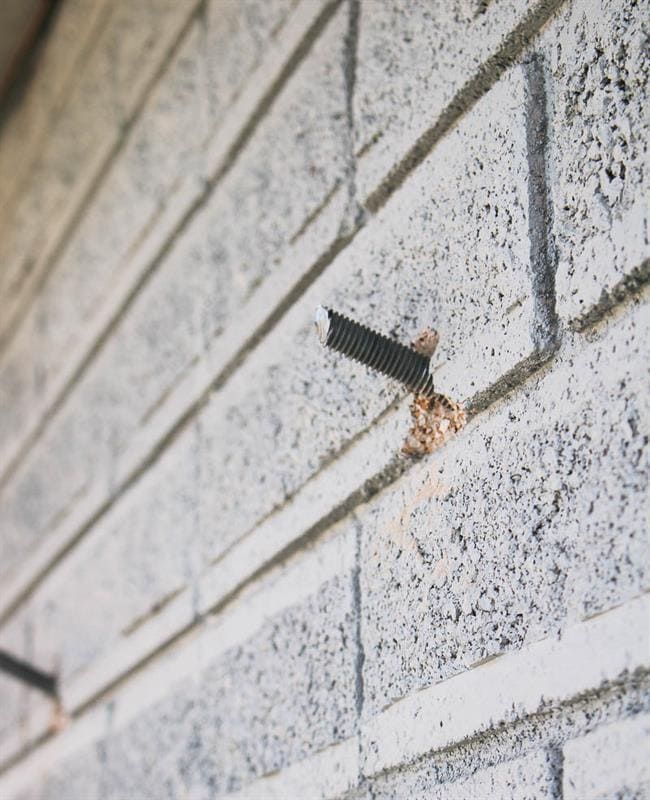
103 435
108 87
612 761
284 644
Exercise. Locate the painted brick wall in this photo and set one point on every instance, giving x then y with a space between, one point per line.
207 528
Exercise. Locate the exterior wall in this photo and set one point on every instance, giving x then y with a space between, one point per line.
208 530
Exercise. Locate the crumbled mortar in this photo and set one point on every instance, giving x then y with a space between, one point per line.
435 419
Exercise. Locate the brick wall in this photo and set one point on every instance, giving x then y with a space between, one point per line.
208 531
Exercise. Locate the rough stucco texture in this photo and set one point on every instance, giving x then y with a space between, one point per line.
207 529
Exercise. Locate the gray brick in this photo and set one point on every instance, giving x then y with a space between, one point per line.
398 275
527 778
599 169
136 559
531 518
306 401
236 35
124 58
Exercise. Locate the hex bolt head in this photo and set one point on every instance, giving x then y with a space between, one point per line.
384 355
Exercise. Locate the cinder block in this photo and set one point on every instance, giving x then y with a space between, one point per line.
275 696
413 58
598 161
612 761
527 778
400 274
174 122
137 558
236 34
213 268
104 94
540 677
532 517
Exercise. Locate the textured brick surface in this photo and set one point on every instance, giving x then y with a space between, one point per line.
128 48
208 528
600 176
414 57
553 532
167 328
529 778
165 145
612 761
521 523
275 698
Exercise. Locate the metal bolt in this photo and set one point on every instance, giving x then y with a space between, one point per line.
402 363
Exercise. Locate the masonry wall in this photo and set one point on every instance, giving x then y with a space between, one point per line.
207 526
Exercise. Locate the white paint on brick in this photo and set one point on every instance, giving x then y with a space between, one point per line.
612 761
588 655
413 58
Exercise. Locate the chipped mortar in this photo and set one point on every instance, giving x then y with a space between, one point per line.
435 419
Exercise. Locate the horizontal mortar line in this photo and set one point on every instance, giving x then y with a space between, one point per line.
65 90
605 649
190 196
214 637
327 774
629 287
25 584
486 76
46 262
257 553
221 585
341 759
590 656
300 521
305 25
438 131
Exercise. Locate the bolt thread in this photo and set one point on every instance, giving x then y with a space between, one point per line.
378 352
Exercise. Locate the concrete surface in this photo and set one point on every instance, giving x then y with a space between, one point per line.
208 530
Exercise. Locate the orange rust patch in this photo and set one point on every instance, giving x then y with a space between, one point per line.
435 420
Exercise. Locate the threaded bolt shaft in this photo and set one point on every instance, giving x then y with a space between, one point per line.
375 350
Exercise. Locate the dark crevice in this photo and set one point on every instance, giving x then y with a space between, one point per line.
543 256
359 692
353 216
556 765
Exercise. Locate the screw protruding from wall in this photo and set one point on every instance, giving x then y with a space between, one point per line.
402 363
